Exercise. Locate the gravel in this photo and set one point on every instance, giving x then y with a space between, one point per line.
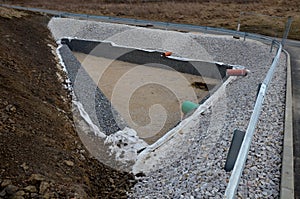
91 97
193 168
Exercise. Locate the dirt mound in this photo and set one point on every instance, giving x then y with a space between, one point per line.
41 153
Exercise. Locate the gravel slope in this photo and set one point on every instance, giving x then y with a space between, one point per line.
194 167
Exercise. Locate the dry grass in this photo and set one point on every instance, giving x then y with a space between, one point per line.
214 13
8 13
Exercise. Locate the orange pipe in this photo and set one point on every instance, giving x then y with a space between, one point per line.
237 72
166 54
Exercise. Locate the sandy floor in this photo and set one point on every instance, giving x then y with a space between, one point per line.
148 98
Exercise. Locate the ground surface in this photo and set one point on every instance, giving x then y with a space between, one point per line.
266 16
295 62
41 154
31 102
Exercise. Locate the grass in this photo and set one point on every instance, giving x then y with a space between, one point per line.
9 14
269 18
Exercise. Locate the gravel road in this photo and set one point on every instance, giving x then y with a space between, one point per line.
194 167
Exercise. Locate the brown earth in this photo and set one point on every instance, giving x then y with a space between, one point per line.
265 16
41 154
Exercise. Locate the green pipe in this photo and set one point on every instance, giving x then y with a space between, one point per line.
188 106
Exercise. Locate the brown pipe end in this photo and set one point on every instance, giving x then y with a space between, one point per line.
237 72
166 54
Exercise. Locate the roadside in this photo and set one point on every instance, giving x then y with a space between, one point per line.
294 50
41 153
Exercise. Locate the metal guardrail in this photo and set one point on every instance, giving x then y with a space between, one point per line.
242 157
140 22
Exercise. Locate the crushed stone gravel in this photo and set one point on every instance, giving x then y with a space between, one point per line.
194 167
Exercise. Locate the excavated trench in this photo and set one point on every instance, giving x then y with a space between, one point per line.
120 86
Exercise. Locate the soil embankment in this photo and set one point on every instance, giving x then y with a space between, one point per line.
41 154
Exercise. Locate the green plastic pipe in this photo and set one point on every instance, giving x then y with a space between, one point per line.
188 106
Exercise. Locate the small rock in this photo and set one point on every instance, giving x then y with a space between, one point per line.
10 108
24 166
11 189
265 193
46 196
5 103
43 187
2 193
36 178
5 183
17 197
69 163
209 188
10 121
81 157
82 151
31 189
111 180
33 195
20 193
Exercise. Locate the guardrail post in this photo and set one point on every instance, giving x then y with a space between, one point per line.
287 30
272 45
238 27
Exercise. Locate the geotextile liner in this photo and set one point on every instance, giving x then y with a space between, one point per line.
102 112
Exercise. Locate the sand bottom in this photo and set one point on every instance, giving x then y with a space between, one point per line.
148 98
